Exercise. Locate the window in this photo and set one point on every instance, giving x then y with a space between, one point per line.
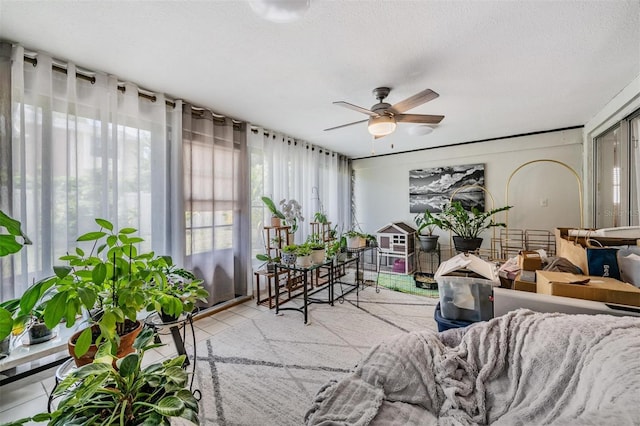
616 157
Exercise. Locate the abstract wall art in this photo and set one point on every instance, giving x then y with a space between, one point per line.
430 189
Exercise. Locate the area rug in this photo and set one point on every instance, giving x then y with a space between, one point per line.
267 370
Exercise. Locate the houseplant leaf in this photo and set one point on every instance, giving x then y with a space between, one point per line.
91 236
170 406
129 364
9 245
105 224
6 323
83 342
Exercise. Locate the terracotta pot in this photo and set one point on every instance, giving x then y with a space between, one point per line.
276 222
125 347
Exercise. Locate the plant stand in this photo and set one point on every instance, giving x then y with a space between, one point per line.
433 258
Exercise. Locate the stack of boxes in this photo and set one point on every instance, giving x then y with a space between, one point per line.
601 289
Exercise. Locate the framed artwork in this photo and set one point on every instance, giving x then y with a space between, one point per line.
430 189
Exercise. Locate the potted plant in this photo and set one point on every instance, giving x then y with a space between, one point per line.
466 225
11 241
355 239
37 329
269 261
337 249
114 283
129 394
303 255
320 217
276 215
370 240
173 290
317 247
288 254
292 211
426 225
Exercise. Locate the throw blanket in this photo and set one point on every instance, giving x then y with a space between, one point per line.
523 368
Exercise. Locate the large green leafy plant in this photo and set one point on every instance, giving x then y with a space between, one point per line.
99 394
11 241
114 283
464 223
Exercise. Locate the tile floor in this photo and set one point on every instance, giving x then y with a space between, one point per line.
30 395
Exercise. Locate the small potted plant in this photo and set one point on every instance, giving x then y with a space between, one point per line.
317 247
269 261
276 215
303 255
426 225
337 249
466 225
292 211
355 239
288 254
128 394
173 290
320 217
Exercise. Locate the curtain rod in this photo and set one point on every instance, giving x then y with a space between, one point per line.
198 111
295 142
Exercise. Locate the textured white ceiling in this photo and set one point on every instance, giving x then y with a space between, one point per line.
501 67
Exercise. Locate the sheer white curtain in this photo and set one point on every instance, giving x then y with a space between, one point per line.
216 204
81 150
283 168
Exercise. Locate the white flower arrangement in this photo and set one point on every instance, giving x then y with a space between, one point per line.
292 213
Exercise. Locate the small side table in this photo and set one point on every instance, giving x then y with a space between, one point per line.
433 255
61 372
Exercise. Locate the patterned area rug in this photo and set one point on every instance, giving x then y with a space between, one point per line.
266 371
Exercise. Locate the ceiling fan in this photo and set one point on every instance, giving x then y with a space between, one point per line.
383 116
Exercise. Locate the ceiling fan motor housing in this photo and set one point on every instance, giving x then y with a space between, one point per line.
381 108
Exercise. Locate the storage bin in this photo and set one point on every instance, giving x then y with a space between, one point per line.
447 324
466 298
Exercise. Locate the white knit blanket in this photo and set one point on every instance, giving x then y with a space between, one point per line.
523 368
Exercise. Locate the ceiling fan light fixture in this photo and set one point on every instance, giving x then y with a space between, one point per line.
420 130
280 11
381 126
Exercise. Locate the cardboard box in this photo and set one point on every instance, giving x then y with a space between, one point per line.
529 260
587 287
523 285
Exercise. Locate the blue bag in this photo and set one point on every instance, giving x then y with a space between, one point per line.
603 262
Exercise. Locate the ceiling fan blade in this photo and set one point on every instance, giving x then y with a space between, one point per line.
345 125
413 101
356 108
418 118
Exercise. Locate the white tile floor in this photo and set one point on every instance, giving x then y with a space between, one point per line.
29 396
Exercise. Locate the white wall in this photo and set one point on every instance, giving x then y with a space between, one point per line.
382 184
